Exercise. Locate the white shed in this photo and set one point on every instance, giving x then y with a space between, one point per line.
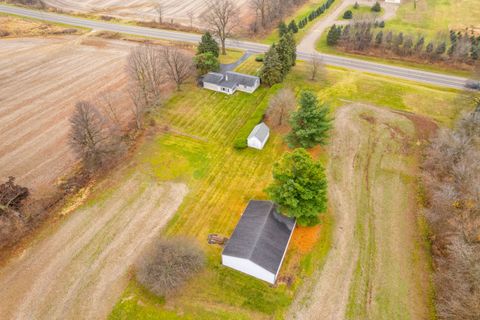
259 242
259 136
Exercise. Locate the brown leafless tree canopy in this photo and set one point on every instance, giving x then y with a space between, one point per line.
317 68
452 173
168 263
269 13
280 107
12 195
146 73
89 136
221 17
178 66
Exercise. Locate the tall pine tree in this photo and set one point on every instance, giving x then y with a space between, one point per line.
208 44
272 71
282 29
310 124
286 50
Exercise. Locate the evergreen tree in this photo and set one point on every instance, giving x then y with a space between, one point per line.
429 48
376 7
287 51
292 26
356 6
419 44
272 71
208 44
348 14
206 62
379 38
333 35
310 124
474 52
282 29
299 187
440 49
382 24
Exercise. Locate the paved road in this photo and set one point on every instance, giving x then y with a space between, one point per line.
357 64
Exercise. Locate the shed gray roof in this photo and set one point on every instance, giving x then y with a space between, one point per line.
261 235
260 132
213 77
240 78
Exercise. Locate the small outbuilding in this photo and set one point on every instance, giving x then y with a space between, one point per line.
230 82
259 136
259 242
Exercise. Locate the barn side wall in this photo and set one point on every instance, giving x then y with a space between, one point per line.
248 267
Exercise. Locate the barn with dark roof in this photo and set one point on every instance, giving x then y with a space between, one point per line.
259 242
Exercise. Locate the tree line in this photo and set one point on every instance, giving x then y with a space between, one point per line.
278 61
294 26
451 172
364 36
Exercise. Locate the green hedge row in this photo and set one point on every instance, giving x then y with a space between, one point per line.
240 141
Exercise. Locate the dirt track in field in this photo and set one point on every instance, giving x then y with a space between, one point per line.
79 270
377 266
40 81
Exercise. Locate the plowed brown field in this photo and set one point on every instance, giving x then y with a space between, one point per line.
40 81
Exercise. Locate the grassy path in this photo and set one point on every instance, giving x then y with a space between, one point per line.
378 266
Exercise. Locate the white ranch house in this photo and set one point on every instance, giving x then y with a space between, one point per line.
230 82
259 136
259 242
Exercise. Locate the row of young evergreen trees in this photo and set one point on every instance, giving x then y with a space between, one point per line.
462 47
279 59
294 27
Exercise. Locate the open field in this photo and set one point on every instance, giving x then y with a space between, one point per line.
78 270
143 10
14 27
433 17
378 267
198 149
41 80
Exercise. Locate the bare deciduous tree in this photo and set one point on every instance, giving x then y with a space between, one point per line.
169 263
317 68
191 16
89 135
451 172
160 8
178 65
146 73
139 108
221 17
280 107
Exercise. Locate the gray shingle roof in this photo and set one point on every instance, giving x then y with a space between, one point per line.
213 77
260 131
261 235
240 78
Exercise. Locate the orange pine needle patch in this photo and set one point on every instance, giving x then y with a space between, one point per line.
304 238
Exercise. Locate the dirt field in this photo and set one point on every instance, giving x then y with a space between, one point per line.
80 270
377 267
143 10
40 81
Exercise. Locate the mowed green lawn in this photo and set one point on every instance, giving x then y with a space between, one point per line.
434 17
198 148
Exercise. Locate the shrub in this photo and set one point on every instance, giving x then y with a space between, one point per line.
168 264
382 24
356 6
259 58
376 7
348 14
